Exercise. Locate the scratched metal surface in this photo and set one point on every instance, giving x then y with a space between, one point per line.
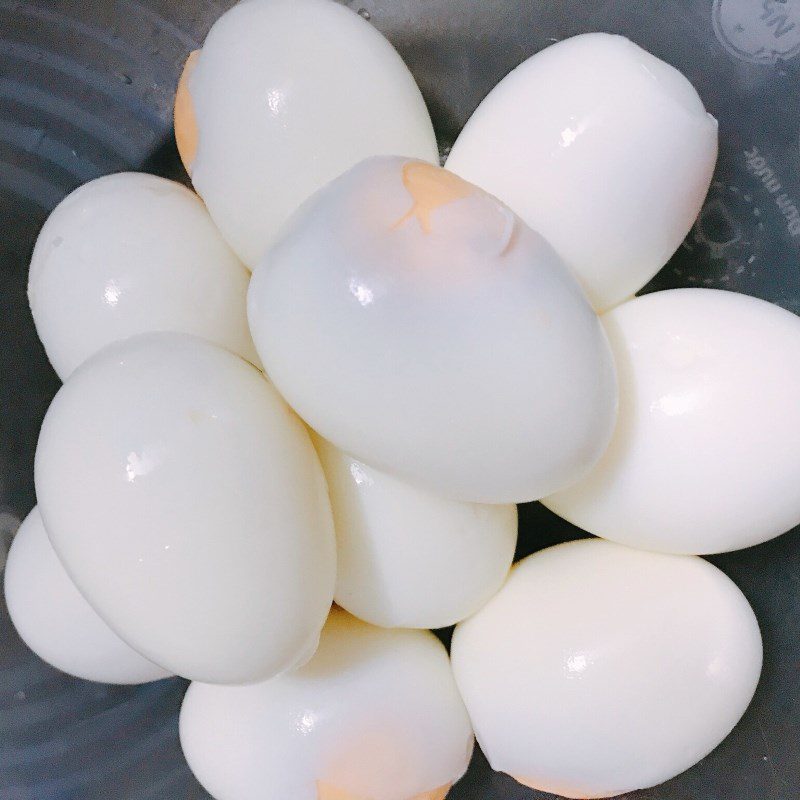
85 89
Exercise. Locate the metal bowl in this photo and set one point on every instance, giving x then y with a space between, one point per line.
86 89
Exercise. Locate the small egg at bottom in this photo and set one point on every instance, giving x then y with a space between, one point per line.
705 457
407 558
55 621
375 714
598 670
132 253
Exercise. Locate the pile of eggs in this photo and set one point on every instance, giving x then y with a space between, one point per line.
417 350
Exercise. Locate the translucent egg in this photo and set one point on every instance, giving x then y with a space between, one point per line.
604 149
187 503
53 619
284 96
416 323
374 714
598 670
706 455
407 558
132 253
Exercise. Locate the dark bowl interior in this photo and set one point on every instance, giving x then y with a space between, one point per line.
86 89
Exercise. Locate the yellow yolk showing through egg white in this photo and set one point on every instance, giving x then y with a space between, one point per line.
289 94
186 133
427 324
327 792
610 686
430 188
531 784
375 714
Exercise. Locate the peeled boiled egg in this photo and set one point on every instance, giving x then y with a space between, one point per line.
132 253
604 149
53 619
416 323
706 455
374 714
187 503
407 558
598 670
284 96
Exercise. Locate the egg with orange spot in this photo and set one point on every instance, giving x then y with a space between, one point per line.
284 96
186 133
374 715
430 188
327 792
417 324
598 670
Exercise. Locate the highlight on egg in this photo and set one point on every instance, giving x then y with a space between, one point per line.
604 149
416 323
598 670
55 621
132 253
283 97
706 454
187 503
374 714
407 558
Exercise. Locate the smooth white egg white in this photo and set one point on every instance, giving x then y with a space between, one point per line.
604 149
407 558
706 454
415 322
132 253
598 670
188 505
55 621
374 714
284 96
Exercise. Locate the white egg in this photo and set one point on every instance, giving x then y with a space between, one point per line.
53 619
188 505
604 149
284 96
407 558
374 714
706 455
598 670
132 253
416 323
